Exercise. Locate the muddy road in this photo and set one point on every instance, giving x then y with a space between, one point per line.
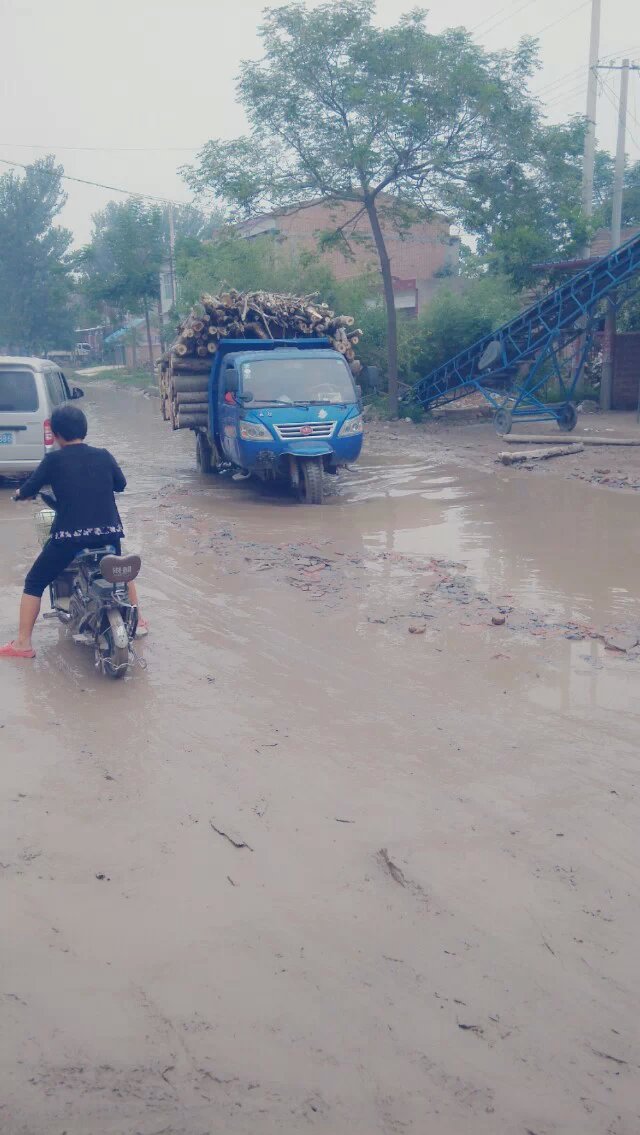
358 850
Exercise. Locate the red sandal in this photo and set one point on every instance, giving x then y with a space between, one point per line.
10 650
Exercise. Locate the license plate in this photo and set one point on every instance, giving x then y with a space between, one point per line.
6 439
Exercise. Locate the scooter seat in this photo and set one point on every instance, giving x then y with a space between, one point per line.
120 569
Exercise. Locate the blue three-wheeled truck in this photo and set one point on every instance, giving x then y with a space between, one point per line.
283 410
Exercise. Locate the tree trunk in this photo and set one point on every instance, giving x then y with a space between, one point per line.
148 326
390 304
134 348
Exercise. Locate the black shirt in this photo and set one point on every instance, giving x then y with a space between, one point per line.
84 480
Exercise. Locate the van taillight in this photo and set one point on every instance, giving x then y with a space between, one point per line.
48 434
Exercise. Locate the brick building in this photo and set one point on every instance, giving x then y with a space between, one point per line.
625 394
601 242
420 254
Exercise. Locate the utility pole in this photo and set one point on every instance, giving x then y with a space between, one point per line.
608 346
589 153
592 99
618 177
172 256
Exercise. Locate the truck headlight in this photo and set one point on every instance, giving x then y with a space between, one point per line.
352 426
253 431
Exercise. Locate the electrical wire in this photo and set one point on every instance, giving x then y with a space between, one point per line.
106 149
575 93
607 90
99 185
568 77
572 93
577 70
559 20
488 19
633 116
499 23
534 35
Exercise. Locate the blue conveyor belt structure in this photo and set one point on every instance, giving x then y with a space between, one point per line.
511 366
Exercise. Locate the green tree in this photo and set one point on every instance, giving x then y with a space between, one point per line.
630 199
192 223
394 120
261 263
123 261
35 261
533 212
455 320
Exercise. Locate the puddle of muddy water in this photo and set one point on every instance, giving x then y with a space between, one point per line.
550 545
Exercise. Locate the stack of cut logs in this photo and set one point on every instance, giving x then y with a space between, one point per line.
184 370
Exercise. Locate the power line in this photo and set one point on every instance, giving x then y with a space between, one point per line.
626 51
580 89
492 27
526 4
488 19
607 90
558 82
561 18
106 149
99 185
634 118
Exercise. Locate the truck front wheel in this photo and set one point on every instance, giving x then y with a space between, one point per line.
311 486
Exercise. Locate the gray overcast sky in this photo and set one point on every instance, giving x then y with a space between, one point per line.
159 74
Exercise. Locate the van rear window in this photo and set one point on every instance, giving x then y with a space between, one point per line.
18 392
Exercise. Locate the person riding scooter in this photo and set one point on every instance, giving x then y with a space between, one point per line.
84 480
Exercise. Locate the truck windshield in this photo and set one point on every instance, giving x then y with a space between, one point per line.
287 381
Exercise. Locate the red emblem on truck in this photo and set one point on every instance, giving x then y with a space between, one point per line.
305 431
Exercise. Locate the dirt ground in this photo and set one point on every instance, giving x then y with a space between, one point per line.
357 852
468 434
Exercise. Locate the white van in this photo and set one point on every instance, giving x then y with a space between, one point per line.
30 390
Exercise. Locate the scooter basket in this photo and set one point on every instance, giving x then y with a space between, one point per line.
44 519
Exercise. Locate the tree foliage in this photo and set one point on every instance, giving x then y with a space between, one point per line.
454 320
385 118
631 194
123 260
35 261
260 263
532 212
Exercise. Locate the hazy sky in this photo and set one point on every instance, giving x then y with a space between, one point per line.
125 91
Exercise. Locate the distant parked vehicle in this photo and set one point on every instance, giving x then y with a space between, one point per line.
30 390
60 357
82 352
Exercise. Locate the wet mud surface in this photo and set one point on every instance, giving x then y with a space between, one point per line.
357 851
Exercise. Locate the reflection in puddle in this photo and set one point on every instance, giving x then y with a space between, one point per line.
553 545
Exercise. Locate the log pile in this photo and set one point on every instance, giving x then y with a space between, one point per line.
184 370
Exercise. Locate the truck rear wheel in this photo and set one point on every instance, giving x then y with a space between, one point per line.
203 454
312 481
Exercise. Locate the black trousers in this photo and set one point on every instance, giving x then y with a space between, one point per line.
56 556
